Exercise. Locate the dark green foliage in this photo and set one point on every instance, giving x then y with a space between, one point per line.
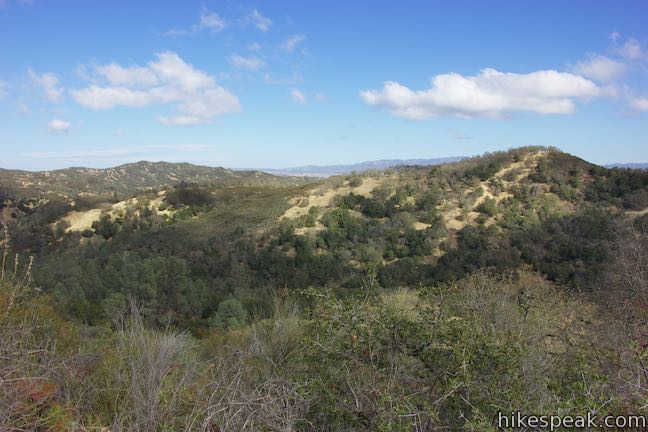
189 195
231 244
106 226
641 223
488 207
230 314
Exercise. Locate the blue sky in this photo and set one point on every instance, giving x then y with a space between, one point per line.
285 83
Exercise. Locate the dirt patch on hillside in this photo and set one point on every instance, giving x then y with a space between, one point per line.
420 226
80 221
323 197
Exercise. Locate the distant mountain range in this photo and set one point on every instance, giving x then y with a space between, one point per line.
331 170
628 165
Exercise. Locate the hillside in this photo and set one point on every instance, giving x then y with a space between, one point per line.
446 291
532 207
130 178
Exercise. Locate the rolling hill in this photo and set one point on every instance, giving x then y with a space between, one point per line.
130 178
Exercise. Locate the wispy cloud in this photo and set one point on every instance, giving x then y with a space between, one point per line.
49 84
248 63
639 103
4 86
461 136
22 107
600 68
208 21
211 21
167 80
254 47
59 126
292 42
259 21
295 78
492 94
632 50
298 96
4 3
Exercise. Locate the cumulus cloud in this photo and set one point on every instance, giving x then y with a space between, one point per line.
59 126
248 63
49 83
118 75
254 47
489 94
292 42
166 80
298 96
600 68
259 21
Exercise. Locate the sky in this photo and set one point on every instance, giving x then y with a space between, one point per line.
273 84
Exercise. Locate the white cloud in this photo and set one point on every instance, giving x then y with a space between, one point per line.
298 96
615 36
639 103
166 80
211 21
632 50
249 63
180 121
208 21
292 42
103 98
600 68
489 94
254 47
118 75
58 125
259 21
119 133
296 78
49 83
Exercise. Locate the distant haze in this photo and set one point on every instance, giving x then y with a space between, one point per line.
331 170
628 165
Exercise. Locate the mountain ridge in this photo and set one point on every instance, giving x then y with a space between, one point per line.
130 177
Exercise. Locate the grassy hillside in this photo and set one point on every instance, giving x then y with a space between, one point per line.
427 296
